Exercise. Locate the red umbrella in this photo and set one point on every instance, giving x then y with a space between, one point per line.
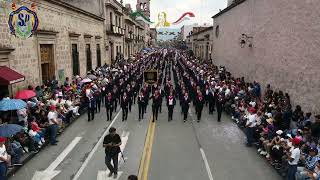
25 94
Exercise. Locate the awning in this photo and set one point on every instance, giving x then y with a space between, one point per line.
9 76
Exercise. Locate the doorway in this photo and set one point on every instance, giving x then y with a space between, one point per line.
98 55
47 62
75 60
89 60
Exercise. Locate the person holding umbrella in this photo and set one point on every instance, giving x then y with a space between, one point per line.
5 159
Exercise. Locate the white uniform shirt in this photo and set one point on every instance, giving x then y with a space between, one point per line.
295 154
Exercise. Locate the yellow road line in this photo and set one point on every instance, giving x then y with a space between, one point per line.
146 155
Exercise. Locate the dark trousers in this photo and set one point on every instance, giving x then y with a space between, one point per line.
3 171
115 105
90 114
219 114
114 158
199 112
170 112
292 169
211 107
53 133
155 111
185 112
141 111
124 113
109 114
250 135
160 108
98 105
130 104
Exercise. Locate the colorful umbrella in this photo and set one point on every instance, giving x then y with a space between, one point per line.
25 94
92 77
8 130
86 80
7 104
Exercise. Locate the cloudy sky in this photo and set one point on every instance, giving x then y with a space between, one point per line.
203 9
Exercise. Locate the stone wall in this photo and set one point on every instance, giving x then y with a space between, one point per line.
62 21
285 50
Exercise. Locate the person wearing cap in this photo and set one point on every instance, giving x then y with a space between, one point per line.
310 163
112 143
293 159
5 159
53 124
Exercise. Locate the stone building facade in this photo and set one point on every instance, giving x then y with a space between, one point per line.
69 41
273 42
201 42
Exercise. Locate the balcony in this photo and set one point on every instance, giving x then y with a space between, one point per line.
115 30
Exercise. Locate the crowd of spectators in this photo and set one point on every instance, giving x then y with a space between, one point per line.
286 136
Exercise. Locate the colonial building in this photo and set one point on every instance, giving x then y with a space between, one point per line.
200 42
272 42
134 40
115 29
69 41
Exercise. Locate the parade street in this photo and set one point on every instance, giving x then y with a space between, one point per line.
203 151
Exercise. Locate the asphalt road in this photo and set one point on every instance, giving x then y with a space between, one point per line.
176 153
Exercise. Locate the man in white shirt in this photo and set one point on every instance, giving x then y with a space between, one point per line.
293 159
53 124
251 126
5 159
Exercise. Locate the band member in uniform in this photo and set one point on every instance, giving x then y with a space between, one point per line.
97 95
171 102
109 106
141 102
91 107
199 105
112 143
115 97
220 102
156 100
212 101
185 104
124 106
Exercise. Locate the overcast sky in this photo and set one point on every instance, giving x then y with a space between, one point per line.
203 9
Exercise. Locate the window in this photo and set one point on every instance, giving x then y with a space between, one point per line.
89 60
217 30
98 55
75 60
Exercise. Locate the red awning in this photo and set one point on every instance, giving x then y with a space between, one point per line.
9 76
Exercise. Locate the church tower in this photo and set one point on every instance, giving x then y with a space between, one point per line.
144 7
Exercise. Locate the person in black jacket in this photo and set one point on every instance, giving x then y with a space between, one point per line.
199 102
124 106
109 106
220 102
141 102
112 143
115 97
211 99
91 107
171 102
185 104
156 101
